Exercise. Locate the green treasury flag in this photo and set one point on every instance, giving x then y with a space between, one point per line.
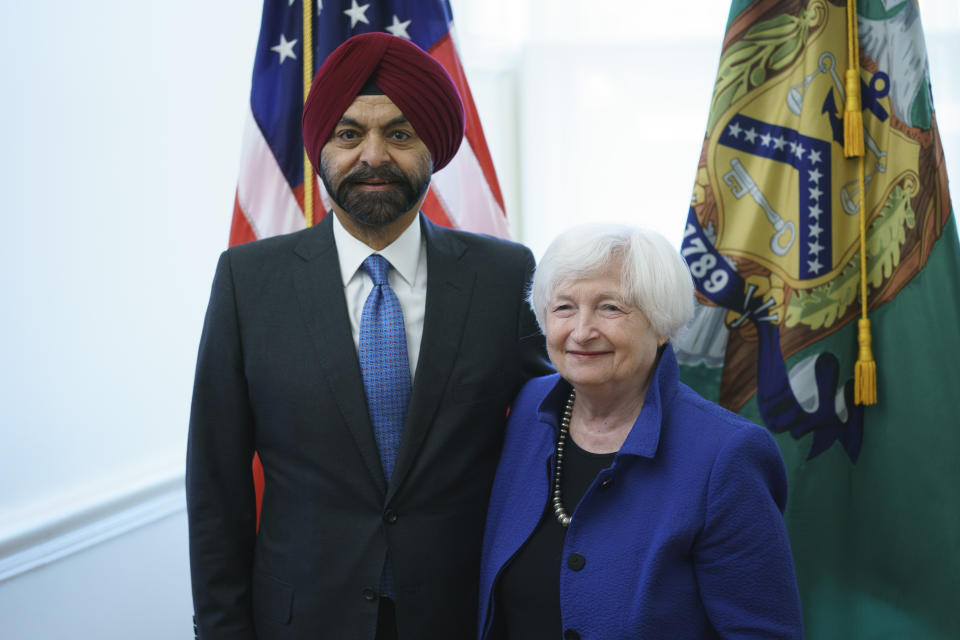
772 240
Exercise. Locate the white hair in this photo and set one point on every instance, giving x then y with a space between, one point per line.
654 278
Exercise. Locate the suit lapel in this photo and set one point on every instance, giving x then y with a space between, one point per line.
320 291
449 288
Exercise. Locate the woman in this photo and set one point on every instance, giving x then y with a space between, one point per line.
625 505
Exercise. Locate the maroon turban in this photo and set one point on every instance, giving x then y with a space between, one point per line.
413 79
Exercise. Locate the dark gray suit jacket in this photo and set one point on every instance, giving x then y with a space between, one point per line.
277 373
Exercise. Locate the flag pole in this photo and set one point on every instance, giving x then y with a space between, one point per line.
865 369
308 194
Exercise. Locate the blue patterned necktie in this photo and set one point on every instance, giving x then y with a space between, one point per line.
386 373
383 362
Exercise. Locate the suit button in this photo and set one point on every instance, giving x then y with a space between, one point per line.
390 516
576 561
606 483
570 634
369 594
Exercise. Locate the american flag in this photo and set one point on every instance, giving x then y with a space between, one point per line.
269 198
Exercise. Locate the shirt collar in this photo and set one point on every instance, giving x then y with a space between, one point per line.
403 253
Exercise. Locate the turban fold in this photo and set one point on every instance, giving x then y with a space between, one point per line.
413 79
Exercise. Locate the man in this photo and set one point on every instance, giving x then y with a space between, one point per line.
373 388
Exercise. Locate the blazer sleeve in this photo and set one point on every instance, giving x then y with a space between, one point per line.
219 484
742 557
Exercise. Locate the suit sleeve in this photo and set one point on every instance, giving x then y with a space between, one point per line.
219 485
742 558
531 342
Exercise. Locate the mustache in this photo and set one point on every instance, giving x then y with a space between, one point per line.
363 172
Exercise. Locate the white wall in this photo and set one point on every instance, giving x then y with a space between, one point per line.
120 126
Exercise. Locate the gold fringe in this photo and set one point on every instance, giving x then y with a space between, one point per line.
853 117
865 371
853 109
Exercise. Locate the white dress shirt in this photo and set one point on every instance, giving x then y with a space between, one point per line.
408 279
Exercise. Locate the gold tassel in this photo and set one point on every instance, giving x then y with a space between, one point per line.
853 110
865 371
853 117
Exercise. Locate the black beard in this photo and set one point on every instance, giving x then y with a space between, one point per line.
380 208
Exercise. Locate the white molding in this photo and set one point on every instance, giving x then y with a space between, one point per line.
61 534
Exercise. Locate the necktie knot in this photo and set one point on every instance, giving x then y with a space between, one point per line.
376 266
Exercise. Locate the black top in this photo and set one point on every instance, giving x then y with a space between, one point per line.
527 605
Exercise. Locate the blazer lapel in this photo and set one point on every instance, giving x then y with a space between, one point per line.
320 291
449 288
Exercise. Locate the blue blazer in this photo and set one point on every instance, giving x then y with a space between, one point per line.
683 534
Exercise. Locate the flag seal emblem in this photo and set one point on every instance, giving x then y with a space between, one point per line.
772 236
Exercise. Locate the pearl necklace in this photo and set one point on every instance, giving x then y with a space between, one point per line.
558 509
